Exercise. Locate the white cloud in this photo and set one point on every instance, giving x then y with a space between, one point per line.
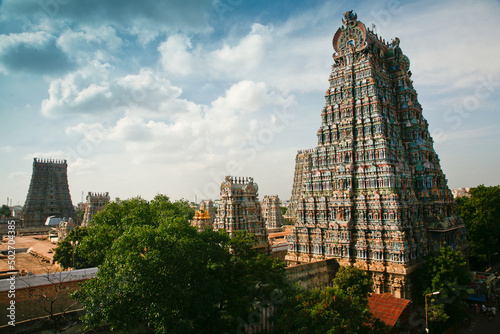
93 90
145 19
176 55
192 131
82 166
275 55
448 49
98 43
32 52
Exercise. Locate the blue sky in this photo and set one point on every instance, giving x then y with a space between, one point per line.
147 97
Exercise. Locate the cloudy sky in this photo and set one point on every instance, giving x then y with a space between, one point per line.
147 97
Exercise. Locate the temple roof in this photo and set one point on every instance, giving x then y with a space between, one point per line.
388 308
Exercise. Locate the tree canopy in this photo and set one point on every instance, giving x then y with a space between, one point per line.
95 241
340 309
353 282
481 215
5 211
445 272
157 270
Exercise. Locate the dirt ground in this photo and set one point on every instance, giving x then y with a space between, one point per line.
38 261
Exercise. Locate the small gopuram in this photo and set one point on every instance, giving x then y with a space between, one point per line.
94 203
239 209
374 194
202 220
48 194
271 212
208 206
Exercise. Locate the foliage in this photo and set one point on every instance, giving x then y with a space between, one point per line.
284 209
5 211
69 255
447 273
158 270
481 215
354 282
80 213
117 217
330 310
341 309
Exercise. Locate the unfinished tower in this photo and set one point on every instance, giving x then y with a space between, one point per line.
374 195
48 194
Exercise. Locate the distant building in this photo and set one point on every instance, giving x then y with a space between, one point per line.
17 211
239 209
64 228
202 220
461 192
95 202
303 164
271 211
48 194
208 206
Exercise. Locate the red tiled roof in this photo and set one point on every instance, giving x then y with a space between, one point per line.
279 234
388 308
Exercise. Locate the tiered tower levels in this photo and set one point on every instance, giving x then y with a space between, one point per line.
374 194
48 194
239 209
271 211
95 202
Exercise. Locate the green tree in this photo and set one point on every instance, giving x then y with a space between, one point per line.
68 254
341 309
353 282
159 271
5 211
445 272
80 213
329 310
481 215
117 217
283 210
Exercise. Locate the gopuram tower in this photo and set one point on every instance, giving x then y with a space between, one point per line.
95 202
239 209
48 194
372 193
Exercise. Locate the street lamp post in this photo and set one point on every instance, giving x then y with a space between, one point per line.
74 244
426 321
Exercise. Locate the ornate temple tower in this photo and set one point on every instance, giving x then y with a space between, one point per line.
303 165
202 220
271 212
374 195
239 209
208 206
95 202
48 194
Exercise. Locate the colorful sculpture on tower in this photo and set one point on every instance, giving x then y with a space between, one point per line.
372 193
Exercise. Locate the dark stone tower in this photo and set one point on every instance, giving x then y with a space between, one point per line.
48 194
373 194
